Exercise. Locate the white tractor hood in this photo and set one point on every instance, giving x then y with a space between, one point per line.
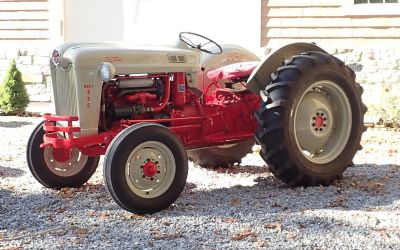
128 59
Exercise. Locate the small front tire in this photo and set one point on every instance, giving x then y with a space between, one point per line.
145 168
74 172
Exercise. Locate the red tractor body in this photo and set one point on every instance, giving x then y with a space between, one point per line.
220 116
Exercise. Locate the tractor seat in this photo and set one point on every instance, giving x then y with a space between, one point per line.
233 71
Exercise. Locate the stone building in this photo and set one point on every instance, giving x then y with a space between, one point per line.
364 33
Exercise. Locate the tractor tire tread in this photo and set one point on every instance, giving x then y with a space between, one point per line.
270 118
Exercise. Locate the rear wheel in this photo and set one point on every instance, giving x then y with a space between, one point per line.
145 168
221 156
51 173
311 121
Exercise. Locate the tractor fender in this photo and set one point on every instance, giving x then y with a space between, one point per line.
230 54
261 75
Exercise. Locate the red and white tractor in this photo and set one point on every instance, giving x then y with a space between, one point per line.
148 109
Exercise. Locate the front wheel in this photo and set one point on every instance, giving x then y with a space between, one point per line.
145 168
311 121
51 173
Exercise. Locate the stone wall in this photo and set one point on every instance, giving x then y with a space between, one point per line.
34 66
378 71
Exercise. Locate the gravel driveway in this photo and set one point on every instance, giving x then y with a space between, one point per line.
244 207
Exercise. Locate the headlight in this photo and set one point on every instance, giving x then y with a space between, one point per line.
107 71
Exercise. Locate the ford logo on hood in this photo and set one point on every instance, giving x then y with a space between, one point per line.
56 57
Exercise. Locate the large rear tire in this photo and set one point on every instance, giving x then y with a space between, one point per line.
311 120
221 156
145 168
53 174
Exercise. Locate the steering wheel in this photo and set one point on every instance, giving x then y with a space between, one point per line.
200 42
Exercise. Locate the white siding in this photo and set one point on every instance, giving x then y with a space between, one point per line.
327 23
24 20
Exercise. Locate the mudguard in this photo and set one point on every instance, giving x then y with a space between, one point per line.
261 76
230 54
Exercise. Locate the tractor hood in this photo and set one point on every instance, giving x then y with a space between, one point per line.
126 58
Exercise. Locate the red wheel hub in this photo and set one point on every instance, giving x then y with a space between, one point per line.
149 169
61 154
319 121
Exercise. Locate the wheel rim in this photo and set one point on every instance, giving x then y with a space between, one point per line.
72 166
225 146
322 122
150 169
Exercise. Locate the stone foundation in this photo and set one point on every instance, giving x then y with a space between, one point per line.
378 71
34 66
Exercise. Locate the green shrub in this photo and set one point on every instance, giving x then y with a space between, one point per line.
13 95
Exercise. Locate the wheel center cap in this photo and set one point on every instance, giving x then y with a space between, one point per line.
149 169
319 121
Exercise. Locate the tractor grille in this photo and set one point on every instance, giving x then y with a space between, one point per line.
64 90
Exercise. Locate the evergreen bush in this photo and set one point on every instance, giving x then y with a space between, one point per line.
13 95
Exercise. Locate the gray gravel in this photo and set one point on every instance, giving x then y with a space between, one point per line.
244 207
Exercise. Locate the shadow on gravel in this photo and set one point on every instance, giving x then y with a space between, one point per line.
50 208
10 172
4 197
24 212
241 169
364 188
14 124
